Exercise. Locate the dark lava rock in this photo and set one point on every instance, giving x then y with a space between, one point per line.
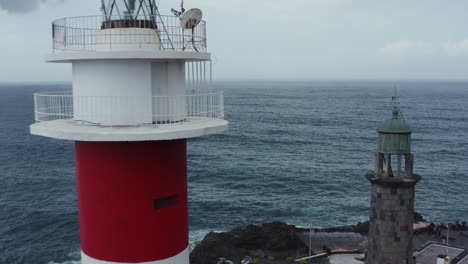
274 240
269 241
418 217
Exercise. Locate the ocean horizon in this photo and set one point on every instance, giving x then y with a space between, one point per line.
296 152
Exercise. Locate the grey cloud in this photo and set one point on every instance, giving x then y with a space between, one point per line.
20 6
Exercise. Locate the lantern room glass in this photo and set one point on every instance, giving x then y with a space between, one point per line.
128 9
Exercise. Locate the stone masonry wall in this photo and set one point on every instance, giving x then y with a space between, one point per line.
391 225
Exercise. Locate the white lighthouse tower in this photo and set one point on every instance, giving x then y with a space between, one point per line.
141 87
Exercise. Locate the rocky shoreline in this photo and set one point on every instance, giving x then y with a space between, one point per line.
270 243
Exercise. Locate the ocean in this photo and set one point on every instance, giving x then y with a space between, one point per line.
296 151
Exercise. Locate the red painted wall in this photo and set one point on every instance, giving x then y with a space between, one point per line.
117 185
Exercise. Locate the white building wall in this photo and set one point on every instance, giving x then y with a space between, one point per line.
168 89
128 39
112 92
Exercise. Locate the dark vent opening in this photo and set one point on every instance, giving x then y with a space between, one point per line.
128 23
166 202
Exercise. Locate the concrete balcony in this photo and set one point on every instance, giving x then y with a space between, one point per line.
92 118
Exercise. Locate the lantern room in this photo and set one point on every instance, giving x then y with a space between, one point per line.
128 9
395 135
394 140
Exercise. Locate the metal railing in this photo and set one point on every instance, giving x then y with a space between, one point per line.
87 33
128 111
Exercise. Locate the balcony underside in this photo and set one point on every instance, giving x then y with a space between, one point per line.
163 55
67 129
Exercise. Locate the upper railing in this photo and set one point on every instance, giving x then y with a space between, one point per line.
91 33
129 111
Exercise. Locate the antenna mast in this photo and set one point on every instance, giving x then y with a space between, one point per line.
181 12
103 8
396 104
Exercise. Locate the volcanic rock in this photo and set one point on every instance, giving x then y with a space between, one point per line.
270 241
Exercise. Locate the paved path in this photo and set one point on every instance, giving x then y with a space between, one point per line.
345 259
352 241
333 241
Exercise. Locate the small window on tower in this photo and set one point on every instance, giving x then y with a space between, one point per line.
166 202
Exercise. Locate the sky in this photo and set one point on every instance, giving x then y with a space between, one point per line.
275 39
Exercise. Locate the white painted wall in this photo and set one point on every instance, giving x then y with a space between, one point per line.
128 39
181 258
112 92
129 92
168 89
442 260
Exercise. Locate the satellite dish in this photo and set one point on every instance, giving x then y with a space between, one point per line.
191 18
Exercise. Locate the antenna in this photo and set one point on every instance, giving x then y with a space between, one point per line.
181 12
103 7
190 20
396 104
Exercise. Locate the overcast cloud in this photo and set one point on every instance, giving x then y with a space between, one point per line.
22 6
276 39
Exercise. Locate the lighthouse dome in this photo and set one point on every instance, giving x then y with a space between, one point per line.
395 125
395 135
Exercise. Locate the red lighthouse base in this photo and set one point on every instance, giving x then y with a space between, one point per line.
133 201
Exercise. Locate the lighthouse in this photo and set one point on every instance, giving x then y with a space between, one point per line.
141 88
392 200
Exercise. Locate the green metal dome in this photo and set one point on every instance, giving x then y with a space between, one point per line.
395 125
395 135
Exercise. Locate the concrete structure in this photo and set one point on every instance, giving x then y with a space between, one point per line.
392 201
141 87
435 253
333 240
346 259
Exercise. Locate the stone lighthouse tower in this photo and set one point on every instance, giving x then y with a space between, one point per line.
392 202
141 88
